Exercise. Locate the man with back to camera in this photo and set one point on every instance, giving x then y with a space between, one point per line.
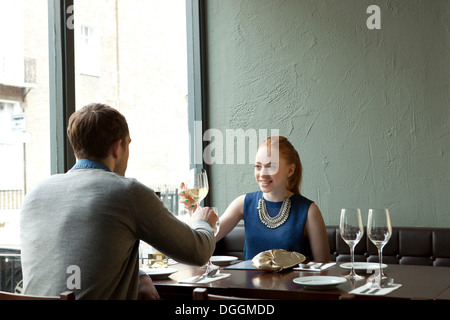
91 219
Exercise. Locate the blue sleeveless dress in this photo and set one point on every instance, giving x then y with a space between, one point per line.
289 236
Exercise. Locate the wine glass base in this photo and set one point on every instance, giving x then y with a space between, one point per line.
386 282
354 277
211 270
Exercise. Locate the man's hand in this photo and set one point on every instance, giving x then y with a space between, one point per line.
146 289
205 213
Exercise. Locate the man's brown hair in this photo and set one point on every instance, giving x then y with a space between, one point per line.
93 129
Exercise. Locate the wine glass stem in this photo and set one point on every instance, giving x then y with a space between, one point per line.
352 254
380 254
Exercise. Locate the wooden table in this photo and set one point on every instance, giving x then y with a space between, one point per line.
418 282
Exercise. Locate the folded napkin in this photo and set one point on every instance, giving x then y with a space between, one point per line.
219 276
366 290
276 260
321 268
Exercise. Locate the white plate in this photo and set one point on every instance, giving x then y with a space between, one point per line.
320 282
222 260
363 266
159 273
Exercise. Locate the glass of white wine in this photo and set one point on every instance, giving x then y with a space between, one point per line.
157 259
198 184
351 230
379 231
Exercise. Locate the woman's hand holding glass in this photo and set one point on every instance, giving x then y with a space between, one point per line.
189 203
196 189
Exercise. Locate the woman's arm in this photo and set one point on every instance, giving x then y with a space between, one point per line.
317 234
231 217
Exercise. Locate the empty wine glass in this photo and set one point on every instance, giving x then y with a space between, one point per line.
198 184
210 267
351 230
379 231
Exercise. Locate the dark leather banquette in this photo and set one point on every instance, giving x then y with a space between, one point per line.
408 245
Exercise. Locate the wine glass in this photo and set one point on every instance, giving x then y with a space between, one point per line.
351 230
210 266
379 231
198 184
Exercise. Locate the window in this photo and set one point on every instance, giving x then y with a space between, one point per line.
133 58
24 108
138 53
88 49
8 109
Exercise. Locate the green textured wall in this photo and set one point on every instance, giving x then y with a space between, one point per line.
368 110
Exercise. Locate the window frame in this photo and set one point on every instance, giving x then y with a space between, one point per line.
196 49
62 83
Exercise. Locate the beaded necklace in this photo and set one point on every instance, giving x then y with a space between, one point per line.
279 219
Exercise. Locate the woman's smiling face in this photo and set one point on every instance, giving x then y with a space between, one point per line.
271 173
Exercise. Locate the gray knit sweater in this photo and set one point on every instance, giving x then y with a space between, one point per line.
83 228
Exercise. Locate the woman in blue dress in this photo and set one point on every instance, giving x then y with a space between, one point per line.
278 216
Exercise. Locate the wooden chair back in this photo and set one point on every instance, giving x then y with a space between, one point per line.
68 295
